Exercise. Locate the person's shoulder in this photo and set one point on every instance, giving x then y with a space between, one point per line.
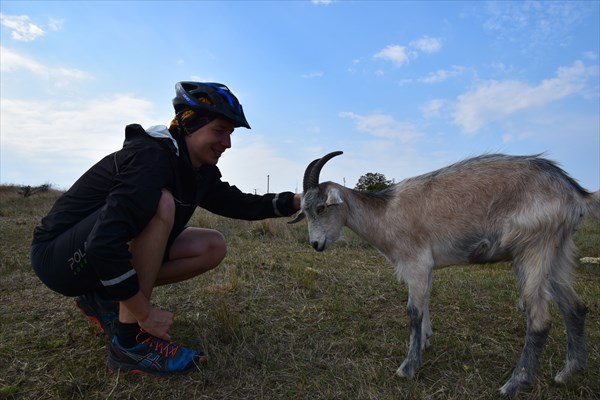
134 130
147 150
137 138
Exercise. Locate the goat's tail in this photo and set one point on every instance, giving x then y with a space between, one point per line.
593 202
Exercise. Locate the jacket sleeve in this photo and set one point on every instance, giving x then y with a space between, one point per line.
130 205
228 201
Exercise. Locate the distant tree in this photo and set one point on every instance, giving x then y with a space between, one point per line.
372 182
27 191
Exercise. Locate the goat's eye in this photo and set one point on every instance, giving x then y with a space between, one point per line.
320 209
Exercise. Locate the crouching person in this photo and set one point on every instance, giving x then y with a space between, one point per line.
120 230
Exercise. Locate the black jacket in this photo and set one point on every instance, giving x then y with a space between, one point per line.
126 187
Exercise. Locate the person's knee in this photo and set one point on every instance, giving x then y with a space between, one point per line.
210 250
218 247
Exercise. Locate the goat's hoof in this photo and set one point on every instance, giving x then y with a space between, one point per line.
509 390
562 377
405 371
569 371
512 387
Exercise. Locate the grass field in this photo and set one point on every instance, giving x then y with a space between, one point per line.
281 321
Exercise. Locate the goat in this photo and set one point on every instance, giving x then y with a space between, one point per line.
489 208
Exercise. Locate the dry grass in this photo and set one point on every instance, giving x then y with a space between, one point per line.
280 321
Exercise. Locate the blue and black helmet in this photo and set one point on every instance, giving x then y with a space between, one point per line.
211 99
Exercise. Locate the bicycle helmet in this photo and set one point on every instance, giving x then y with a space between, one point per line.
211 99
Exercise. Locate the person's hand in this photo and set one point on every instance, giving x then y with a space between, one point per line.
158 323
297 200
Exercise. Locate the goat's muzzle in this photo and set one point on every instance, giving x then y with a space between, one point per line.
319 246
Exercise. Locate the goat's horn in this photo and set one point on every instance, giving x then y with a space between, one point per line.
311 175
305 182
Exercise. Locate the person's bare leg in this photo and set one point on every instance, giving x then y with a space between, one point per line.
194 251
147 251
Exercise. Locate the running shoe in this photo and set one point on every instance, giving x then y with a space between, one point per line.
153 356
102 312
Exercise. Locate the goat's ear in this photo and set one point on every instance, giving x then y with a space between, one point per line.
299 217
333 197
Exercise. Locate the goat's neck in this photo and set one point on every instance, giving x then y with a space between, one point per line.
366 214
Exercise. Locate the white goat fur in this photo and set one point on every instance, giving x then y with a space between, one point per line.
490 208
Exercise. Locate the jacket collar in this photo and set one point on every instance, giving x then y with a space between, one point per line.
175 142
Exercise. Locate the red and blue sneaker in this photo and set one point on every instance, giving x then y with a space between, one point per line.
103 313
153 356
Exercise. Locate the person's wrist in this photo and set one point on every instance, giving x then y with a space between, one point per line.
139 307
297 200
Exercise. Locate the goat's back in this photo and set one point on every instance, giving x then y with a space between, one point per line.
492 181
489 194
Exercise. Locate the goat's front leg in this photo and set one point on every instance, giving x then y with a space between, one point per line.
418 292
427 329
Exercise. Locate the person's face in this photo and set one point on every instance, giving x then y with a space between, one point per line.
206 144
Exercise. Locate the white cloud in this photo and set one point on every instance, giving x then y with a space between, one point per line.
432 108
442 74
56 24
14 62
312 75
70 125
21 28
66 137
251 159
400 55
535 25
394 53
384 126
427 44
509 137
496 100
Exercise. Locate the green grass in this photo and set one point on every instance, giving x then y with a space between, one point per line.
281 321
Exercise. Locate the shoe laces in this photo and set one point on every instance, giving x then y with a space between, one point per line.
164 347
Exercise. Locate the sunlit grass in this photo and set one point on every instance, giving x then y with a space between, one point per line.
281 321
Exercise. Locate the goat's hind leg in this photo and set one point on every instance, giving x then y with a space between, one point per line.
574 316
535 291
573 311
418 291
524 372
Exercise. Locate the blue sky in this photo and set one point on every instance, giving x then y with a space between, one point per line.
402 88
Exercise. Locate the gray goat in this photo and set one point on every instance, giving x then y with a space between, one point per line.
490 208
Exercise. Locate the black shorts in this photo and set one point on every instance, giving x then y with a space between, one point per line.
61 263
